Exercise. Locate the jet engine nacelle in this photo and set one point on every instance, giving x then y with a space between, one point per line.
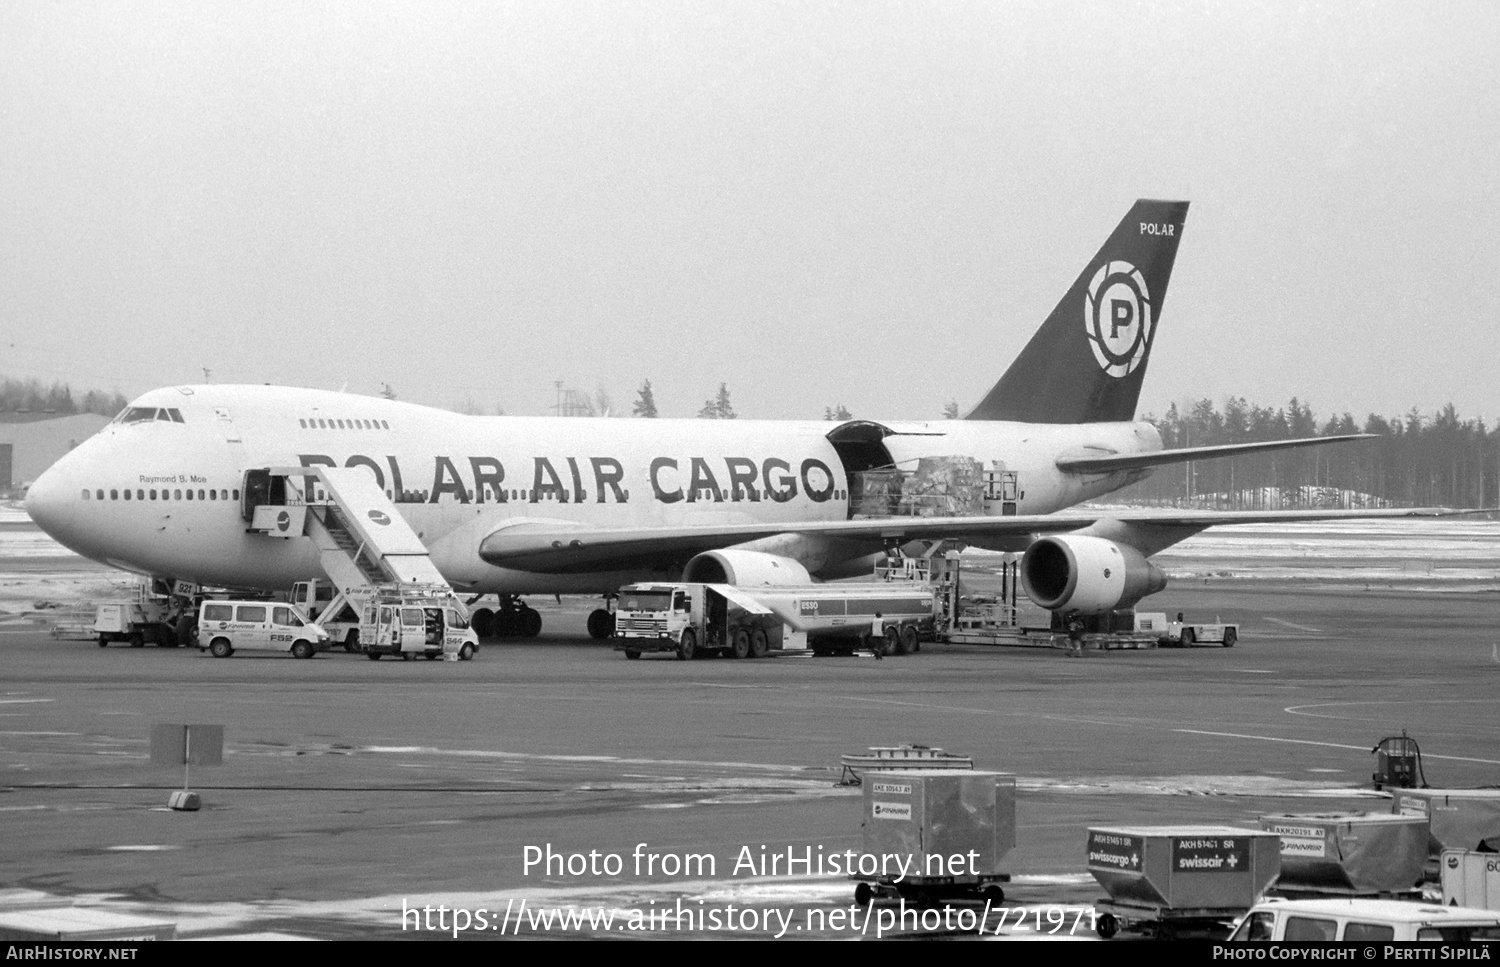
746 569
1088 574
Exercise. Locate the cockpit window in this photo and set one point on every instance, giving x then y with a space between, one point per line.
137 414
147 414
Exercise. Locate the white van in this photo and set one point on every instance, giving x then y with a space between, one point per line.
225 626
1365 920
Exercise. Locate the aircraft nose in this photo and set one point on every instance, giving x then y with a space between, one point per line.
46 502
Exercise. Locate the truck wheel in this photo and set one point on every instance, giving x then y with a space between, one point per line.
891 643
302 649
632 653
739 643
1230 637
760 645
1189 638
137 640
351 641
600 623
466 652
103 642
687 647
220 648
373 655
187 631
907 641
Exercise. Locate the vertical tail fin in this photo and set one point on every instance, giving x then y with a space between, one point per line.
1086 363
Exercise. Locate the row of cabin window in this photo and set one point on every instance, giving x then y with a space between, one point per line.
321 423
165 495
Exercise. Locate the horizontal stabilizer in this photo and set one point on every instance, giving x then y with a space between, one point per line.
1100 461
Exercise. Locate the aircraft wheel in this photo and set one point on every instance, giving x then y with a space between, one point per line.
739 644
302 649
220 648
600 624
632 653
1230 637
1107 925
687 647
760 645
906 641
483 622
531 623
863 894
466 652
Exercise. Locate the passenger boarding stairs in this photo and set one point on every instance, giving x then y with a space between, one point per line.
363 542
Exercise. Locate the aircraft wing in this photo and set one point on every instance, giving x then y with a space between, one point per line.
1091 460
555 547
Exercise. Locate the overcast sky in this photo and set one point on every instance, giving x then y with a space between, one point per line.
815 203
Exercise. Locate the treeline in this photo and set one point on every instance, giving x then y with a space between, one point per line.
1415 460
30 395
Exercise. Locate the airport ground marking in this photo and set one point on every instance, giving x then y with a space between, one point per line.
1288 624
1330 745
1297 709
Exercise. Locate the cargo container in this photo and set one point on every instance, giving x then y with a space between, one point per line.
1456 818
1165 879
1470 879
1349 854
952 829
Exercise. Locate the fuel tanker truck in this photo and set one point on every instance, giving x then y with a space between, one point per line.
698 619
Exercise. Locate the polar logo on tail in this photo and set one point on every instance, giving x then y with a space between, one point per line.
1117 318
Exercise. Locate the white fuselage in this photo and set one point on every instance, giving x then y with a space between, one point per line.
456 478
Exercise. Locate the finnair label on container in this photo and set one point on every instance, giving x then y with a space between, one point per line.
1299 846
891 810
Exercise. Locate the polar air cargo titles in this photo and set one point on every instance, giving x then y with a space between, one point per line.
518 505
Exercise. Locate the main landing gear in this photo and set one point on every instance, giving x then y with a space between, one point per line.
513 619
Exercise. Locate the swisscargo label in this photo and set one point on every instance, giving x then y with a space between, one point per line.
890 810
1112 851
1300 840
1210 854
